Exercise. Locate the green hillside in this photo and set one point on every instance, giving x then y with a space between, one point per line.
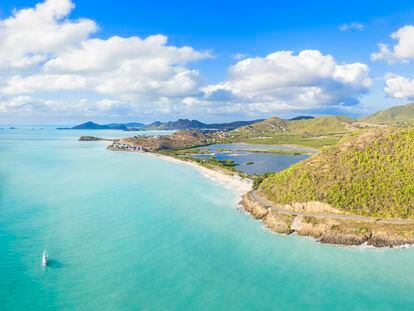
266 127
322 125
367 173
315 132
314 126
399 115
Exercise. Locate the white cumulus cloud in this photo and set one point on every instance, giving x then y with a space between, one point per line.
60 65
52 53
283 80
30 36
403 51
400 87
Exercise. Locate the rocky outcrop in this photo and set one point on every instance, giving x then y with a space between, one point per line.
274 221
279 223
331 230
392 235
254 208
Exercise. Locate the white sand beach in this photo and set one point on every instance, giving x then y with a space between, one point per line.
234 182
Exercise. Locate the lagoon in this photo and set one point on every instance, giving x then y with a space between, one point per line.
250 160
257 163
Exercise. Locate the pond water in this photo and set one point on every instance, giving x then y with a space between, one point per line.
255 163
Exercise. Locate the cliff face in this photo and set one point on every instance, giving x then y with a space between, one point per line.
332 231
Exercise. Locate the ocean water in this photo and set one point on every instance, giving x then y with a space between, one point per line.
130 231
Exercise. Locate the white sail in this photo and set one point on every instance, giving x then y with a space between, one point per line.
44 258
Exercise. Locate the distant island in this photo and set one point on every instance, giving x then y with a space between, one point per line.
112 126
180 124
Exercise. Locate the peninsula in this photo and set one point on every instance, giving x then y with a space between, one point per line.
358 189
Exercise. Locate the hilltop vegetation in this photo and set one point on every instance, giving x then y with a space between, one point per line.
179 140
401 116
367 173
328 125
309 132
304 131
308 127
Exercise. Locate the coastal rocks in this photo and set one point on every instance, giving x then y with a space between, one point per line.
392 235
254 208
274 221
331 230
279 223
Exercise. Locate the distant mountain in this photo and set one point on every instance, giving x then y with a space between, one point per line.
232 125
301 118
180 124
95 126
396 114
186 124
130 124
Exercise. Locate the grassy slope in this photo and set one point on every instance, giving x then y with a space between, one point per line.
321 125
317 132
370 173
393 115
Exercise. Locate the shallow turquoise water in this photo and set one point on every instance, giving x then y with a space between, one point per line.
132 232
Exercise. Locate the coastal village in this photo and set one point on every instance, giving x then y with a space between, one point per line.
119 146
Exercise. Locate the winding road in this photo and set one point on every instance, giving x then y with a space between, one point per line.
270 205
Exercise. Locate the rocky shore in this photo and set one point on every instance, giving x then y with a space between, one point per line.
332 230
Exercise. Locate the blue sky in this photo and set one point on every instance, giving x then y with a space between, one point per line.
217 31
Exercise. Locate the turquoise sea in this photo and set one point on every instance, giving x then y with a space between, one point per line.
130 231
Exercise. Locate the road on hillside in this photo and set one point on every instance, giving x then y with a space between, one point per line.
255 196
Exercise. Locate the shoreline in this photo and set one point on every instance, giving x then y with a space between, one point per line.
375 233
240 185
336 230
234 182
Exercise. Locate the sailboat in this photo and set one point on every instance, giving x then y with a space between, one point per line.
44 258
